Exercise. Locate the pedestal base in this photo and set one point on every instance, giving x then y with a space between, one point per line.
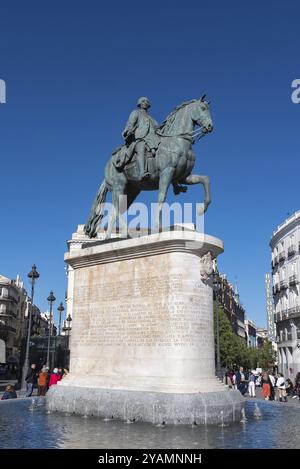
157 408
142 344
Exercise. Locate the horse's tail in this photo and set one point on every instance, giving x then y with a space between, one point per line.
96 214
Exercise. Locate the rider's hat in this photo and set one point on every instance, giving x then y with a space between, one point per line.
143 98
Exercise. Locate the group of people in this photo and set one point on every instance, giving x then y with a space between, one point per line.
274 386
43 378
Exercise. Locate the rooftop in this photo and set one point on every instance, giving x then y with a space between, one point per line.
287 222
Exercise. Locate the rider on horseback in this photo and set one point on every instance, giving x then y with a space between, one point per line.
140 135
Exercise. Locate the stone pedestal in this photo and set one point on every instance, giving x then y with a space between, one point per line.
142 345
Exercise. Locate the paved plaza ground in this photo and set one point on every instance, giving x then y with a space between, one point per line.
258 391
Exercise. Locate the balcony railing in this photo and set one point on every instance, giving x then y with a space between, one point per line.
8 313
282 256
8 298
277 317
275 260
294 312
276 288
287 314
7 328
291 250
293 280
288 336
284 314
283 284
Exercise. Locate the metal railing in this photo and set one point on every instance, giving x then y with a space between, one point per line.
288 336
282 256
8 313
8 298
283 284
293 280
277 317
287 314
291 250
276 288
294 312
7 328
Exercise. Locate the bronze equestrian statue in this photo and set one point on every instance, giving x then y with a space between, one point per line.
152 158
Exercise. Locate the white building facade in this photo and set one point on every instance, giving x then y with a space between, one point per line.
285 244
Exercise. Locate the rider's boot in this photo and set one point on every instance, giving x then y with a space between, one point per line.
143 173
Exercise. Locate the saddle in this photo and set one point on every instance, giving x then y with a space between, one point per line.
124 160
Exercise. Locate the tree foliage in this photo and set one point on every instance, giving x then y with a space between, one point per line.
234 351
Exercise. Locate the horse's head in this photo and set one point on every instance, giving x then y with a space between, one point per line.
201 115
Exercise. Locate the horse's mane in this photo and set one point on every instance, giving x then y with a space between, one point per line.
171 117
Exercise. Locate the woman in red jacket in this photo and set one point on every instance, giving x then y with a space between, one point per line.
54 378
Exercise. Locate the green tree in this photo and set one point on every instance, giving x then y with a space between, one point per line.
233 349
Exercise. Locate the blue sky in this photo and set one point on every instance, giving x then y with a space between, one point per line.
74 71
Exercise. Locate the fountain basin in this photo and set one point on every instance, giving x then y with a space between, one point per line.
35 428
201 408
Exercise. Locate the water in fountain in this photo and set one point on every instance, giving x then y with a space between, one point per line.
35 404
22 428
257 412
243 419
222 424
161 424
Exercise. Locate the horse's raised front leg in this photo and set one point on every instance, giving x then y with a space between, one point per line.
165 180
204 180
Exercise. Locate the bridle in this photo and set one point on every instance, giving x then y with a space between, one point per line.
193 136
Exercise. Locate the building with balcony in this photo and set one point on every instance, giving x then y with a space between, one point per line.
39 321
251 335
229 300
285 245
13 303
262 335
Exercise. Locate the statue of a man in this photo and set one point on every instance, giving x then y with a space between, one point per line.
140 128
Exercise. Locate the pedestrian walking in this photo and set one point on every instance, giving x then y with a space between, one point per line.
30 379
241 381
43 381
280 383
251 388
289 387
266 386
273 384
297 385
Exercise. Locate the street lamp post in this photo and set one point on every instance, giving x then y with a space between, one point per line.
51 298
33 276
216 287
69 320
60 309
